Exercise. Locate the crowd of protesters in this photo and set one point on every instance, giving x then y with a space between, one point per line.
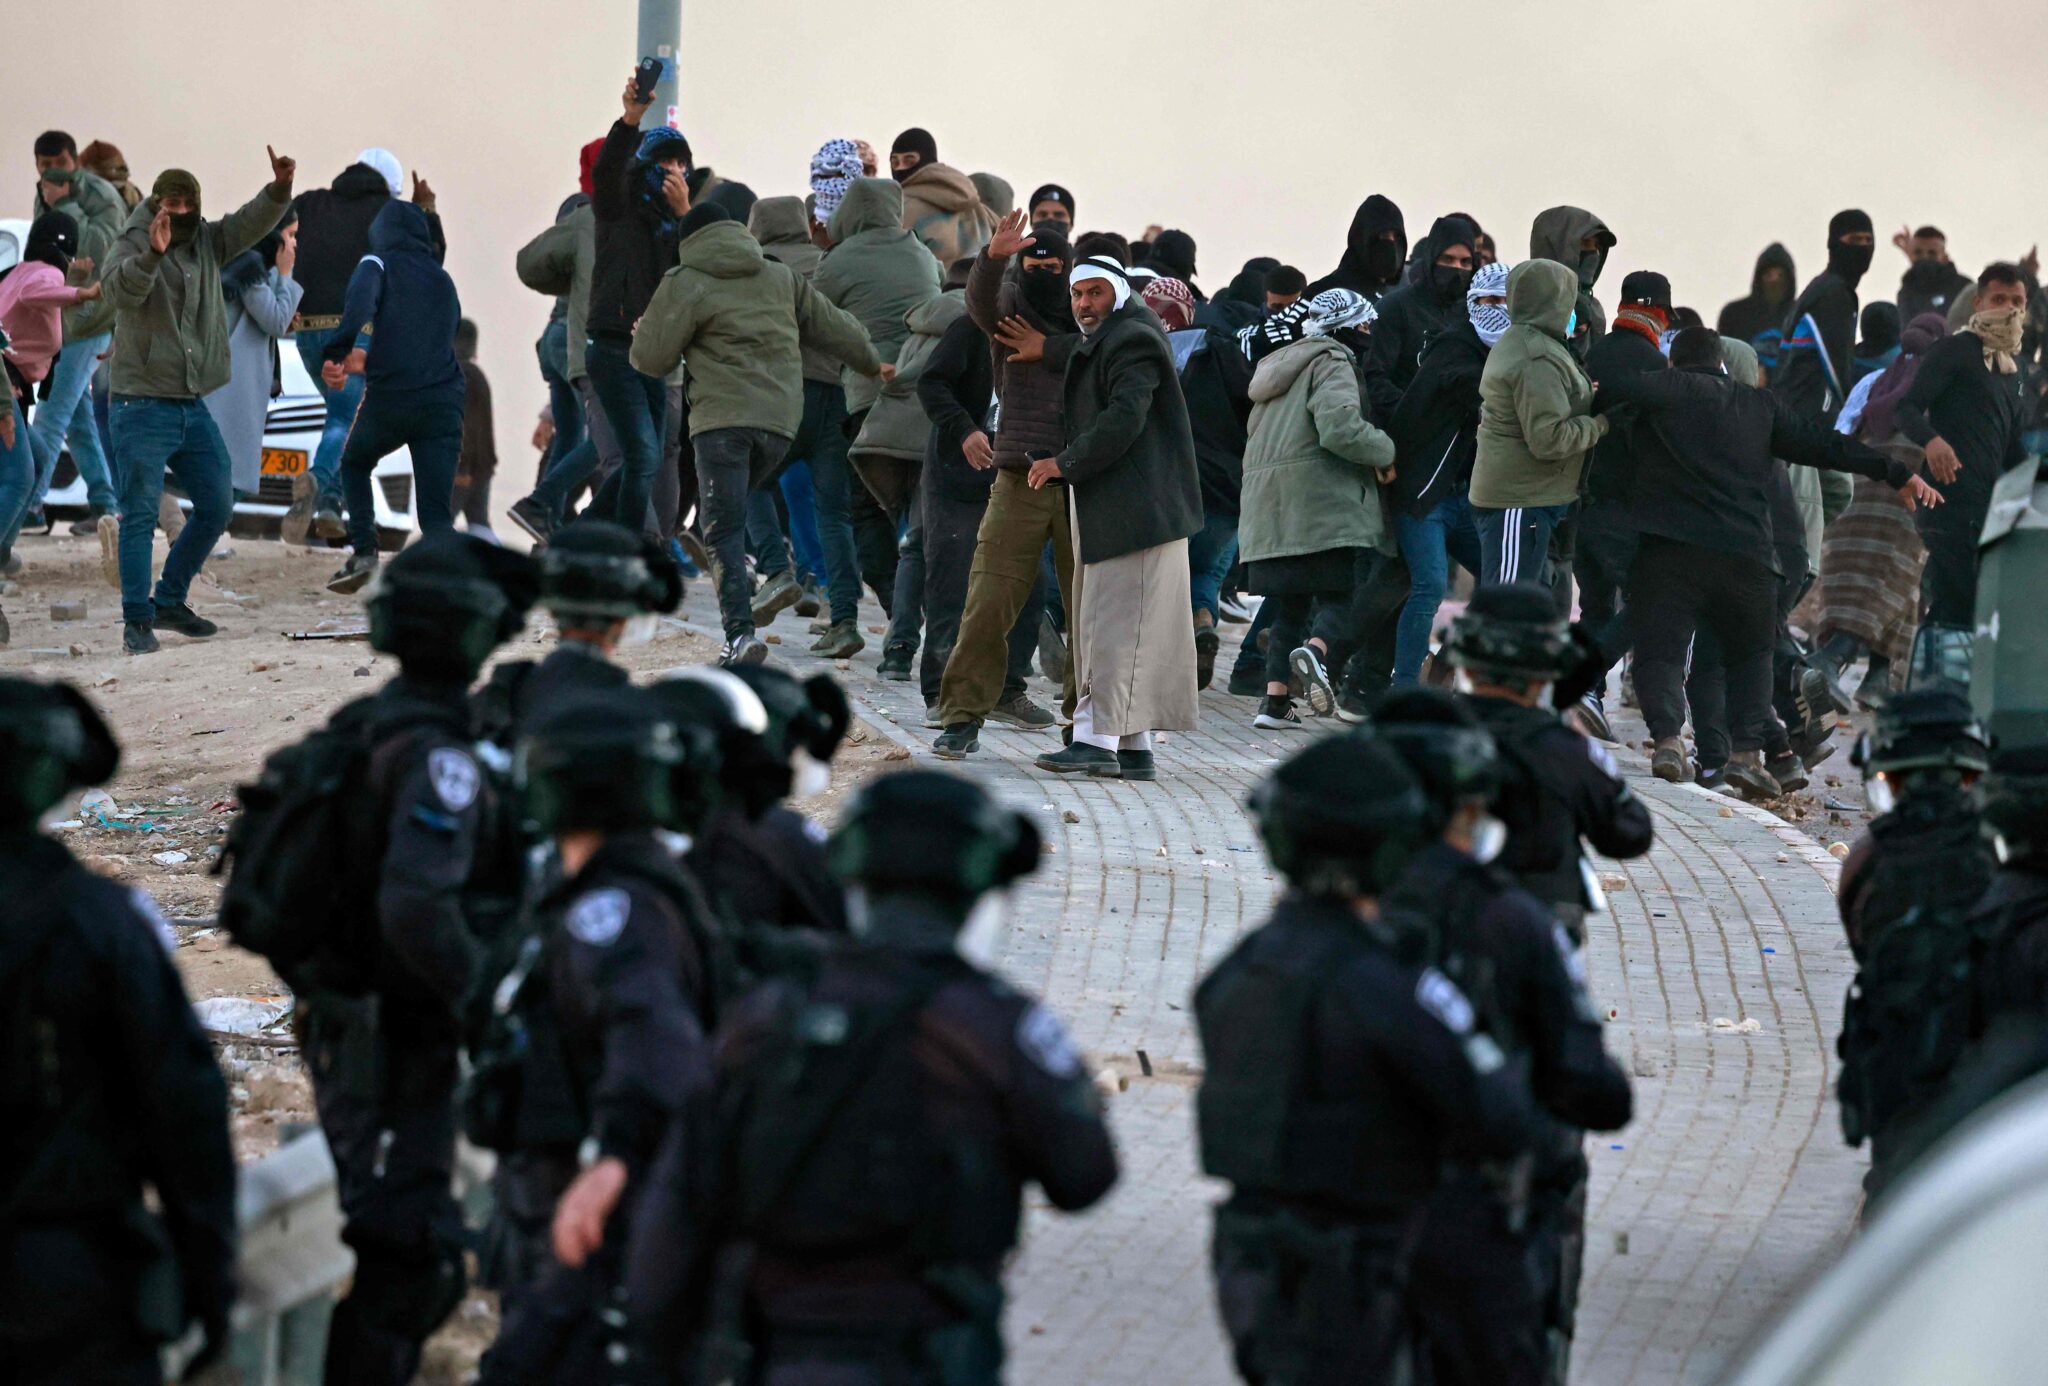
1037 444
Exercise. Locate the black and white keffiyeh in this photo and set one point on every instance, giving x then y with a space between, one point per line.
1329 311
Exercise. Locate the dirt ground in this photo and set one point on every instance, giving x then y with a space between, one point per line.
195 720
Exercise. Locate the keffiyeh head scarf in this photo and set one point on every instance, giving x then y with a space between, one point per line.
1332 310
1283 328
1489 320
1172 300
2001 330
1103 267
833 169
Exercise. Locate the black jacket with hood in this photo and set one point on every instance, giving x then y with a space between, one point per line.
1435 427
1758 316
1930 286
1374 217
1557 235
1215 380
1817 354
401 293
632 251
1412 313
1621 352
955 389
334 233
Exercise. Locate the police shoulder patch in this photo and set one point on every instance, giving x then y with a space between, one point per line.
1044 1040
454 775
1439 995
599 916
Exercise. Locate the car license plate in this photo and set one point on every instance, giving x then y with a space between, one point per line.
283 462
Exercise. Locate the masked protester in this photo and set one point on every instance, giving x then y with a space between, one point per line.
1581 242
110 163
875 1248
1053 203
941 205
117 1133
1877 341
1375 249
171 350
1485 1283
1812 376
1965 409
1409 314
1759 318
1326 1030
1932 282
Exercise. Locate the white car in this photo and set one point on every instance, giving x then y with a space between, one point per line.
291 435
13 236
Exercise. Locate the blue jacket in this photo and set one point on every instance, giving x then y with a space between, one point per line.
406 302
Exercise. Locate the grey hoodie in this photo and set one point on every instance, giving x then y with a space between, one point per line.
876 271
1556 236
783 227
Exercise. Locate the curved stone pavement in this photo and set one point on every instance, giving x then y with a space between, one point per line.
1721 961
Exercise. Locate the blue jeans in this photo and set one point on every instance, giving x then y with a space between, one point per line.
1429 544
431 429
1211 551
802 503
635 406
1514 545
66 418
821 440
150 436
565 406
341 411
17 477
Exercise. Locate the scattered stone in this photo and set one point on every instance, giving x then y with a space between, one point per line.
105 681
1783 858
877 630
1727 812
259 666
1069 816
1621 1244
1162 850
1838 850
1109 1082
1643 1066
79 651
771 638
1724 1025
363 672
896 753
842 664
67 611
1614 882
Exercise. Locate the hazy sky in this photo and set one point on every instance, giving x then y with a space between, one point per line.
1700 133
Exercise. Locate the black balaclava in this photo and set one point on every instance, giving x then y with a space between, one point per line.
913 141
1045 290
1367 248
184 225
1849 261
52 240
1447 284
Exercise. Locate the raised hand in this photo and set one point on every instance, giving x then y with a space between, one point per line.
422 193
160 232
635 107
1011 236
282 169
1023 341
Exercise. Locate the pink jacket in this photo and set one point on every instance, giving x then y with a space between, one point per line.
33 297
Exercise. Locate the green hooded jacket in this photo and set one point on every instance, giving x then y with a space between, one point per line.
783 227
170 321
1557 234
889 453
1311 458
96 206
876 271
741 319
558 263
1535 403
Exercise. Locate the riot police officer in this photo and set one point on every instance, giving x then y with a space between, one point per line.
1557 787
1342 1072
1905 895
1486 1315
882 1118
595 577
107 1086
600 1026
382 1045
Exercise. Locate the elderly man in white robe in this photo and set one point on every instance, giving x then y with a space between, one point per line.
1129 466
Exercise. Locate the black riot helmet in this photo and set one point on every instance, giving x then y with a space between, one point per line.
807 721
613 761
2016 805
444 603
1511 632
1340 818
929 833
750 774
52 741
1929 731
596 572
1453 757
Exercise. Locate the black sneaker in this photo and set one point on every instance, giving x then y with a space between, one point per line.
1713 777
90 524
1020 712
1353 708
1081 758
1207 644
895 665
742 649
810 603
533 517
354 576
1247 682
1131 765
1821 685
327 519
1278 714
185 621
958 741
1787 770
139 637
1748 778
776 596
1589 714
1316 688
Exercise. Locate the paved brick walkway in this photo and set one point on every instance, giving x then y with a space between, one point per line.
1730 1189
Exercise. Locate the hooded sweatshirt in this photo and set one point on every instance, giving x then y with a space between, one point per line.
943 209
634 247
1535 402
401 293
1556 235
996 194
33 297
334 233
1312 459
100 211
1930 286
1410 314
1760 319
896 430
559 261
783 227
1362 270
876 271
1816 355
741 319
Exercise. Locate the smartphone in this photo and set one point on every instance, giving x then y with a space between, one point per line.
646 76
